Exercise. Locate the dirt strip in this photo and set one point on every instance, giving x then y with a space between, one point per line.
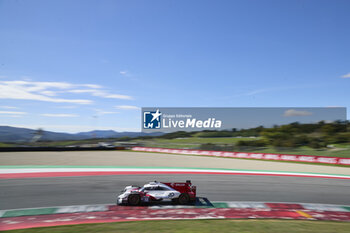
127 158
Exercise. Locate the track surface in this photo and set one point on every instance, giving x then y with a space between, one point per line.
127 158
41 192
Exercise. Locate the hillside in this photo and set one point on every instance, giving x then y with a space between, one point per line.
15 134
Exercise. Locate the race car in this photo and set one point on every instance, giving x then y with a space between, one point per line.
178 193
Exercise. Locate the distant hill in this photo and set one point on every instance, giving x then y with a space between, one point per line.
14 134
112 134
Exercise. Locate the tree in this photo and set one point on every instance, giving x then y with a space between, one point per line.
37 135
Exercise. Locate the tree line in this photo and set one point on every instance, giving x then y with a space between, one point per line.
295 134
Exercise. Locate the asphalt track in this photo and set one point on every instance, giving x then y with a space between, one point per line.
134 159
44 192
59 191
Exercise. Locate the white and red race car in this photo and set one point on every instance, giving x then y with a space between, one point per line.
178 193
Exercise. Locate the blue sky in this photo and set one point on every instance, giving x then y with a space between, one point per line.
79 65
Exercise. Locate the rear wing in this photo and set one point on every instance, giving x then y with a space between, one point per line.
183 187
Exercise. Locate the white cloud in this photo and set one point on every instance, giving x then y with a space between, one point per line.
346 75
12 113
100 93
78 91
48 93
293 112
117 96
127 74
92 86
127 107
8 107
106 112
26 90
100 112
38 86
58 115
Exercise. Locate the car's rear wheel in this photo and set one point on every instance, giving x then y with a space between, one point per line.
184 199
134 199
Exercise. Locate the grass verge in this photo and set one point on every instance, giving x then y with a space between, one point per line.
228 225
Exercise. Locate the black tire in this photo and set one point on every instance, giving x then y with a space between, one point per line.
184 199
175 201
134 199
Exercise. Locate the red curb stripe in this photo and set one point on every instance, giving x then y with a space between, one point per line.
102 173
284 206
250 155
122 214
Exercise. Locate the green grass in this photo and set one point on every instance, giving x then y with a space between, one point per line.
218 140
68 143
60 143
191 142
202 226
5 144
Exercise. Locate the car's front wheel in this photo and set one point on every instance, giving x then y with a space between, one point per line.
134 199
184 199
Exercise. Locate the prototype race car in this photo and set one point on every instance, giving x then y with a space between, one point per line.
178 193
